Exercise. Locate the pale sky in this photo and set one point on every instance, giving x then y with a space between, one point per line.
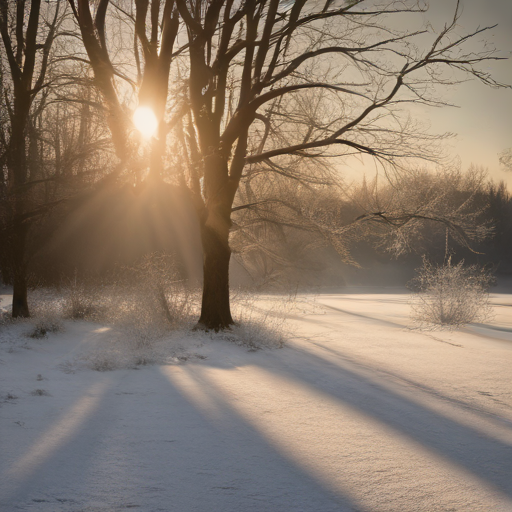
484 120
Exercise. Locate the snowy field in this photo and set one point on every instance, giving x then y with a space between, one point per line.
356 413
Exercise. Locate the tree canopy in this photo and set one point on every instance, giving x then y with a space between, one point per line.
248 89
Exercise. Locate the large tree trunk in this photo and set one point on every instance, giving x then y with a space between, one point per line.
18 240
215 309
19 297
19 273
18 168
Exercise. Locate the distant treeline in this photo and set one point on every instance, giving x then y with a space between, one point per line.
377 234
293 236
493 207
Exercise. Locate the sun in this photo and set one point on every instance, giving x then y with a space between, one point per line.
145 121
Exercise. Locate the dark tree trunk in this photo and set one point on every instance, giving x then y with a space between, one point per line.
215 309
19 297
19 273
18 239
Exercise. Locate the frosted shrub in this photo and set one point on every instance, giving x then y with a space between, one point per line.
260 322
80 303
166 293
150 299
145 306
451 295
46 307
145 314
45 325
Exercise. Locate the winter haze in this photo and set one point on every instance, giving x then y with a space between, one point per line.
255 256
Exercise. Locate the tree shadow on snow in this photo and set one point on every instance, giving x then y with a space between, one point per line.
172 437
145 444
489 459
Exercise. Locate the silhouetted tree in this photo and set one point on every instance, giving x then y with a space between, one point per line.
231 81
27 34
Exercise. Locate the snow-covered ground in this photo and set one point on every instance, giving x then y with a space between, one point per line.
356 413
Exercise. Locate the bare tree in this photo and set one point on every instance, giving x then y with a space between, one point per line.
231 81
52 146
27 35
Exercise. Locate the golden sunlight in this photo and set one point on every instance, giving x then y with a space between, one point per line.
145 121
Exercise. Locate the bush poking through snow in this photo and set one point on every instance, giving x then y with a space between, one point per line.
81 302
44 325
260 321
451 295
127 345
40 392
165 293
146 313
47 311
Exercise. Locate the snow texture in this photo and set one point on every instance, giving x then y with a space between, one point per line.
356 413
